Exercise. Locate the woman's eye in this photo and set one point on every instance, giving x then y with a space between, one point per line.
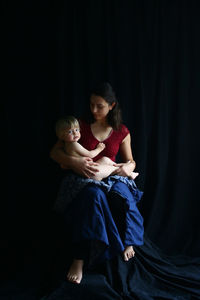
70 131
77 130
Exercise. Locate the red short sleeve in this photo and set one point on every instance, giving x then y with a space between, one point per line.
124 131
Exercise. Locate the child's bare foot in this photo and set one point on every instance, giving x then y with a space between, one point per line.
133 175
128 253
76 271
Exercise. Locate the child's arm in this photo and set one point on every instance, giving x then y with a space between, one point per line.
84 152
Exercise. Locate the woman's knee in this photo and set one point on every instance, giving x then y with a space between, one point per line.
121 189
121 195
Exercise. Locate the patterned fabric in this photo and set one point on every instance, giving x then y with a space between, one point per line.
112 142
72 184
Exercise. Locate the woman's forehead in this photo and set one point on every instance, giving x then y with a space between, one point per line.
97 100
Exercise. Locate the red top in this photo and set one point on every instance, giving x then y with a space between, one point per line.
112 142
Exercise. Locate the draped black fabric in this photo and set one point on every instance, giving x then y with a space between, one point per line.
151 275
54 52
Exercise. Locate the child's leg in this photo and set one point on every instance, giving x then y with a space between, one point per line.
108 161
104 171
105 161
105 168
133 175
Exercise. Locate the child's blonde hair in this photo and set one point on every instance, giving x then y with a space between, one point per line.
66 122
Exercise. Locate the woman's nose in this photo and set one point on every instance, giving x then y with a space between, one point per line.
94 109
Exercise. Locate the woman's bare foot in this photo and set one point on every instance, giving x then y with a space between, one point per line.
76 271
128 253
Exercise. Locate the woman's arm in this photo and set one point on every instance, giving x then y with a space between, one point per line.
58 154
126 155
80 165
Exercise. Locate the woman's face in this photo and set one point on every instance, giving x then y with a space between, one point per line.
99 107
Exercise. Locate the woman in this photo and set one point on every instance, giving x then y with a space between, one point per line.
107 221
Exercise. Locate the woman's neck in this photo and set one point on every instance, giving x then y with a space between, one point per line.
101 123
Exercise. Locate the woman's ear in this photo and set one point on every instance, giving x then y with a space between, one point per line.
112 105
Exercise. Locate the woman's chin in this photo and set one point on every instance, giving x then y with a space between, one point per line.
99 118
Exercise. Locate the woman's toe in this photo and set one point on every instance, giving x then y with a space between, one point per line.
70 277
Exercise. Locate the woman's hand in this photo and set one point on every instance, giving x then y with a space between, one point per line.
84 166
80 165
124 169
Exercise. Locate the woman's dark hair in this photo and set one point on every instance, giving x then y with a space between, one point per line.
106 91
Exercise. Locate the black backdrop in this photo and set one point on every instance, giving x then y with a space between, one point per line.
54 53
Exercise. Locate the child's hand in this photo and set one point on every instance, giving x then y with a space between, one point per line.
101 146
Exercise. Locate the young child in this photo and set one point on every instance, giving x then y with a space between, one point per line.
68 130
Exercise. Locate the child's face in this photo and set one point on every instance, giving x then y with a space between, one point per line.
71 134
